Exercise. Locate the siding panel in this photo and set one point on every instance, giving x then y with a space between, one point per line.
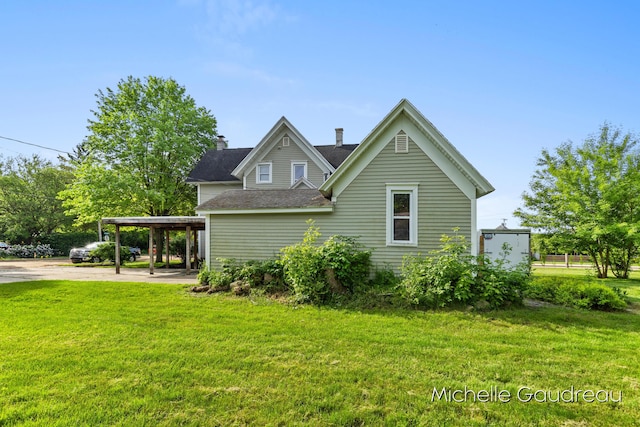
281 158
209 191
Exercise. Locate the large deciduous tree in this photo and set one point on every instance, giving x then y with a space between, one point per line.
144 138
29 207
588 198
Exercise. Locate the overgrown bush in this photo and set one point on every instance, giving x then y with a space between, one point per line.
578 293
451 275
445 276
257 274
27 251
302 267
107 252
315 273
500 284
346 259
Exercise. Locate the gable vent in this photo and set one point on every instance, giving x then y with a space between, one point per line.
402 142
285 141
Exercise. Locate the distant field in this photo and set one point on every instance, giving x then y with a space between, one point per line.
75 353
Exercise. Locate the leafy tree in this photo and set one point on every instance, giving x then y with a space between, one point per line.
144 139
588 199
29 207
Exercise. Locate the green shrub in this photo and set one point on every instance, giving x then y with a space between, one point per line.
544 288
500 284
205 276
384 278
316 273
28 251
578 293
107 252
445 276
451 275
302 267
348 260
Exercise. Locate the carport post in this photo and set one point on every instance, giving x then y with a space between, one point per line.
166 239
195 248
151 261
187 250
117 249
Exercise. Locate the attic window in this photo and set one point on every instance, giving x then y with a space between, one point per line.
263 173
402 142
285 141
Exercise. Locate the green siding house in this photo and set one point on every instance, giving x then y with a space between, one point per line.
398 190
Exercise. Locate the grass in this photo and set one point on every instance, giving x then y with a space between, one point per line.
104 353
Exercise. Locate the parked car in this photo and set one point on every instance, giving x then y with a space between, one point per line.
78 255
4 245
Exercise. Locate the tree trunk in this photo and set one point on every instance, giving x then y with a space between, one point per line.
159 242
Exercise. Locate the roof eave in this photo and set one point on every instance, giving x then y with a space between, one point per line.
312 209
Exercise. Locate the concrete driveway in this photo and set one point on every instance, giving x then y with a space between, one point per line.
21 270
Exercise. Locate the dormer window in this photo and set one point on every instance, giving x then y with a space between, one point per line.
263 173
298 170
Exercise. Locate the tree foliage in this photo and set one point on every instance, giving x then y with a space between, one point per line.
29 207
588 198
144 139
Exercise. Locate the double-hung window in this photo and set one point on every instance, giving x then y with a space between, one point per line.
263 173
402 214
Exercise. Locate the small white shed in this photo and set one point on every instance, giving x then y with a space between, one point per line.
493 241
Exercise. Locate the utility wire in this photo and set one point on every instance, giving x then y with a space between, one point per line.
34 145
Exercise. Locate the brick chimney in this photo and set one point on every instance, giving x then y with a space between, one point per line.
339 132
221 143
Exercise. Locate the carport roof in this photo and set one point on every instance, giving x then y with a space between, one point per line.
164 222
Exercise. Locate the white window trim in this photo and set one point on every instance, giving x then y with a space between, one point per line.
258 172
295 163
412 190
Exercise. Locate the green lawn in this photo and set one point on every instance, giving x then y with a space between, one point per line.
74 353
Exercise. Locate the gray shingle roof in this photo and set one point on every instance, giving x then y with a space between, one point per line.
217 165
266 199
335 155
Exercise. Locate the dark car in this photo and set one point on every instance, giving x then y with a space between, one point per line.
78 255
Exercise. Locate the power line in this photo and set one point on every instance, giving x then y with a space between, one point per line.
34 145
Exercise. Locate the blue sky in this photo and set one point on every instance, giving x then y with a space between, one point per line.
500 79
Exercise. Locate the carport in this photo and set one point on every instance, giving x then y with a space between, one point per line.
189 224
